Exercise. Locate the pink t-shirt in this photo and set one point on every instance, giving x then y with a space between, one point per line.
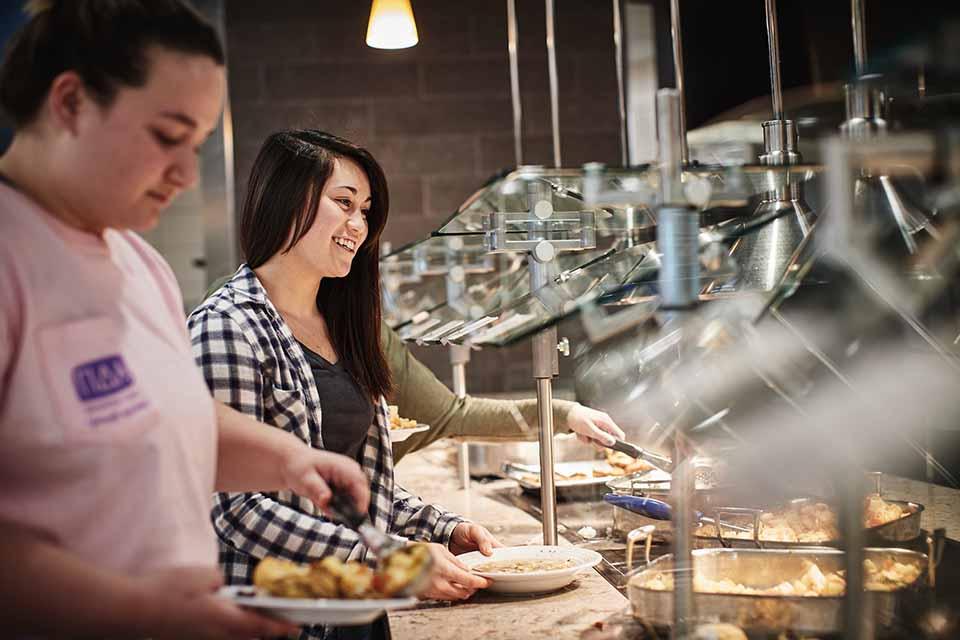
107 429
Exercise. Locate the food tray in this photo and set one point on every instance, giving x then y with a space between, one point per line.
902 530
567 487
762 568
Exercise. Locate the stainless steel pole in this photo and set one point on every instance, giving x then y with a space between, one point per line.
552 68
514 81
459 356
544 348
621 101
773 45
859 36
677 242
840 194
678 74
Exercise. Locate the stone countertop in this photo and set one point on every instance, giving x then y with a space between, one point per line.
567 613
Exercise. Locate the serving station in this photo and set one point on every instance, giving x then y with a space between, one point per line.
775 336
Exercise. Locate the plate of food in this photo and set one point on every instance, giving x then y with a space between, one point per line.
403 428
530 569
325 592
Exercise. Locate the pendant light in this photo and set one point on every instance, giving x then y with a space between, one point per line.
391 25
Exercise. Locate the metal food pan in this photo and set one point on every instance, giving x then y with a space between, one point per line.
763 568
904 529
567 488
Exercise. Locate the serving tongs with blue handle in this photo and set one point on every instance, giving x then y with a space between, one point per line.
660 510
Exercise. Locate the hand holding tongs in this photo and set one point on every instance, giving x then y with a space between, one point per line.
342 509
660 510
634 451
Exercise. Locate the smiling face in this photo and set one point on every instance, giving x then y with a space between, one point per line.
340 226
123 164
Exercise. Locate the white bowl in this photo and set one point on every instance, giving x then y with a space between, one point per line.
533 581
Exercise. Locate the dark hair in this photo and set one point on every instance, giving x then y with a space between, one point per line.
283 194
104 41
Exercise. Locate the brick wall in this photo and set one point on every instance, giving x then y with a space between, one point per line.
437 116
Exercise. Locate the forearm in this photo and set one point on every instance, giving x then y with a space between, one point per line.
250 455
480 419
47 590
415 520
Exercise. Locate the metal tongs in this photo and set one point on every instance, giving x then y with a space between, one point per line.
342 509
634 451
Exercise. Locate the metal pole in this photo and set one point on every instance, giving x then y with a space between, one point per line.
773 44
544 360
840 195
514 81
669 132
678 74
552 68
678 242
459 356
621 102
859 36
544 348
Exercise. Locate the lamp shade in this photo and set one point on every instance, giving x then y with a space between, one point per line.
391 25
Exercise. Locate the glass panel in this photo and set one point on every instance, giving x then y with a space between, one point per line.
413 277
620 197
604 276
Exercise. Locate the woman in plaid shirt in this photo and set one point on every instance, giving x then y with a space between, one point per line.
295 332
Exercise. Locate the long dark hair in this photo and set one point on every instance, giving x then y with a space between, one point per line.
283 194
104 41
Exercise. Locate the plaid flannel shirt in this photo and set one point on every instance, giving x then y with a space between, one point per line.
252 362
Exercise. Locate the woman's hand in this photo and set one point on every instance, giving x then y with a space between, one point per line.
182 603
310 473
592 426
450 579
468 536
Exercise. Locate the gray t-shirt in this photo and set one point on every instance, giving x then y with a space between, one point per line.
347 410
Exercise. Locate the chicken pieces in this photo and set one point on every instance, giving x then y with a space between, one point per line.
333 578
884 575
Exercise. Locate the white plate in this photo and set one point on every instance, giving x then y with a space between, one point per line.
399 435
534 581
315 610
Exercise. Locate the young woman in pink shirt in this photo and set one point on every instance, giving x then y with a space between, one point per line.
112 444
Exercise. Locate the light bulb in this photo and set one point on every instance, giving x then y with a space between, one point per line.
391 25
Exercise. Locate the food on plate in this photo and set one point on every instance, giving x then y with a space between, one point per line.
808 522
396 422
400 568
626 463
523 566
333 578
884 575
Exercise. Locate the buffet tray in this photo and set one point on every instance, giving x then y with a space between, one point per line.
905 529
762 568
527 476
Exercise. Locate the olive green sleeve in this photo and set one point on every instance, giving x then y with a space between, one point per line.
419 395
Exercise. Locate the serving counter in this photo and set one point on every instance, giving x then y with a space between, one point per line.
568 613
595 606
